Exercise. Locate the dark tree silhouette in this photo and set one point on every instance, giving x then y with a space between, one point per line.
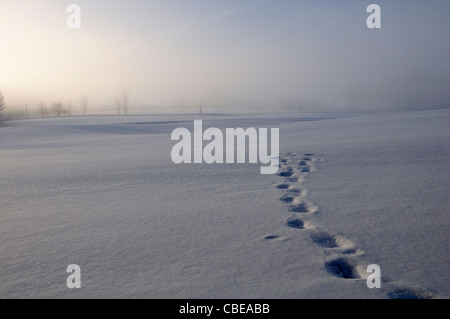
124 98
58 109
117 104
122 102
84 104
42 110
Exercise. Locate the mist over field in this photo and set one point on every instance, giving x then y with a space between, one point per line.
231 55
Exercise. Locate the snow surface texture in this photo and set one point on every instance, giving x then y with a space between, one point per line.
103 193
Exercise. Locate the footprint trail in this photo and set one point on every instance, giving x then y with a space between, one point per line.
344 260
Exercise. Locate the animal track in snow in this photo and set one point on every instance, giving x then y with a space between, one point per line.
287 198
410 293
297 191
342 268
303 163
294 169
276 238
344 256
293 179
299 208
286 172
295 223
329 240
295 197
324 239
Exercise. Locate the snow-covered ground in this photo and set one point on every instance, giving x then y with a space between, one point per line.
103 193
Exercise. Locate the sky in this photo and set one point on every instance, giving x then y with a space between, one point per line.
227 53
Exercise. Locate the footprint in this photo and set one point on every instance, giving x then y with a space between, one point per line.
303 163
295 223
299 208
295 191
330 240
287 172
287 199
324 239
293 179
276 238
342 268
344 264
410 293
353 251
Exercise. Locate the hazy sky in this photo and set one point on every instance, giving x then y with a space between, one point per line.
227 51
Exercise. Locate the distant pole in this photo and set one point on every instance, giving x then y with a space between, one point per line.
201 111
26 111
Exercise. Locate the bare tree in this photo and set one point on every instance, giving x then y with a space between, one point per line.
58 109
117 103
124 100
43 110
84 104
14 114
2 106
69 108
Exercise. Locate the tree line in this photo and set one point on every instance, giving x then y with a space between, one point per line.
59 109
